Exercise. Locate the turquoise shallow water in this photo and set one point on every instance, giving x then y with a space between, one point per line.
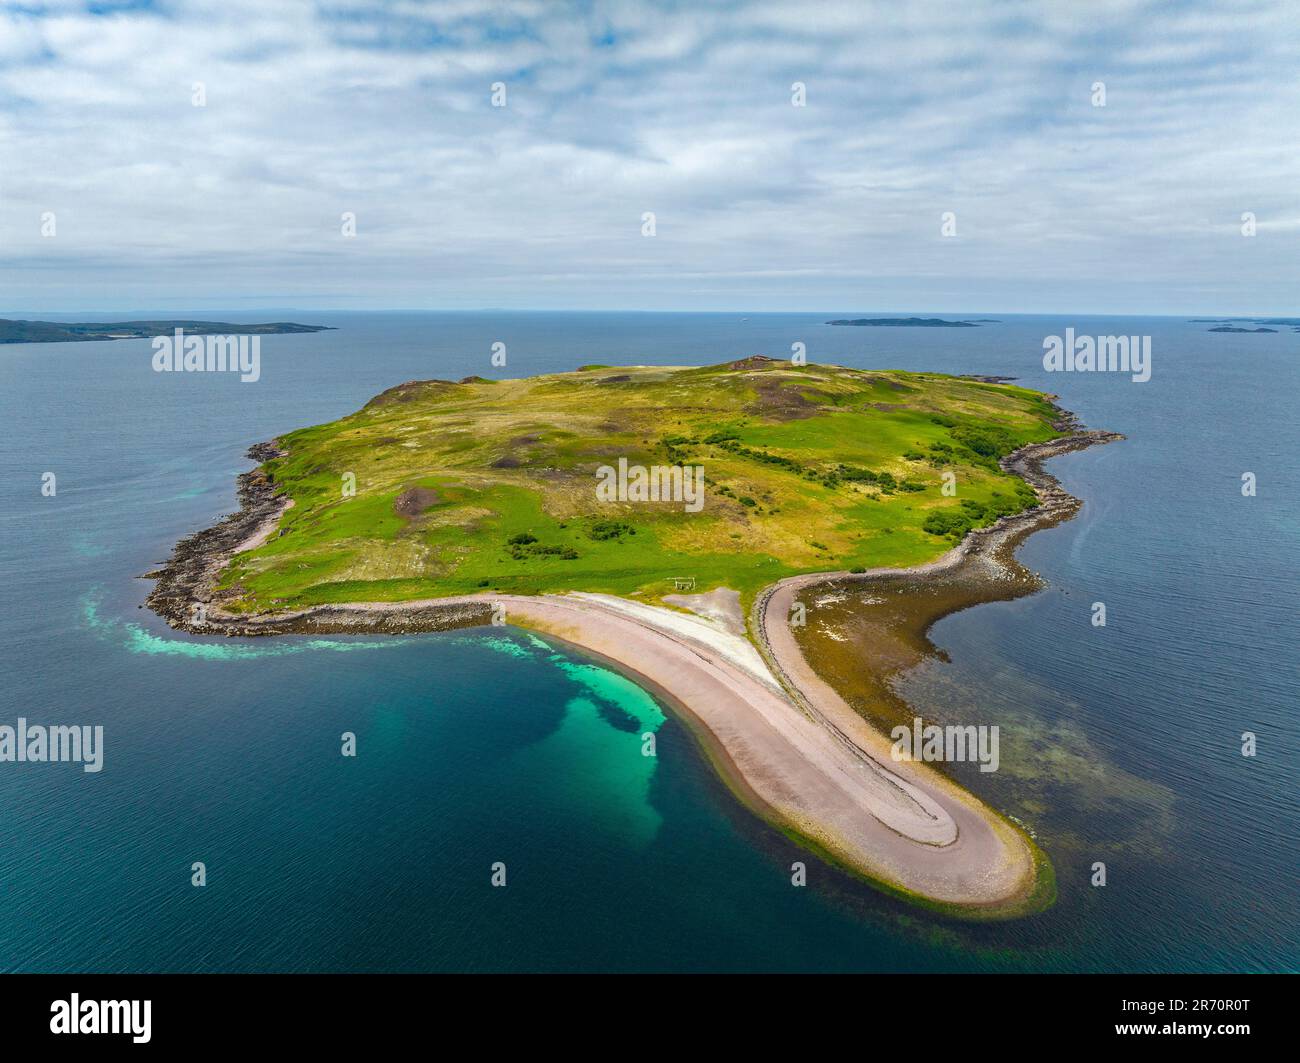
478 747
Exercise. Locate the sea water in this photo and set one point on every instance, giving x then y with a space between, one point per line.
1120 745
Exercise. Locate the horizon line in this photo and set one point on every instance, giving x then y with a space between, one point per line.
6 314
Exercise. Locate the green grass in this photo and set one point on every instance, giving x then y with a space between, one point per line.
807 469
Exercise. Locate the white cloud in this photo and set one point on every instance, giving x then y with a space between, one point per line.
981 108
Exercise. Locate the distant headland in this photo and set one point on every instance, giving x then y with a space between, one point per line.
12 331
915 322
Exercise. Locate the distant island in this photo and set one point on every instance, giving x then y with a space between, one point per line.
911 322
574 505
1225 324
1249 320
12 331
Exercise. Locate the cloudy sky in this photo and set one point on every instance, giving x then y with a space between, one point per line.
384 109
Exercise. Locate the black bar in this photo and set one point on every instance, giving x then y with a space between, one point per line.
338 1012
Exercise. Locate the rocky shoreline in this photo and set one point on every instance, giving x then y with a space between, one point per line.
185 592
1055 504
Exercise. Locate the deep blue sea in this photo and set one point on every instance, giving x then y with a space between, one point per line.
1121 744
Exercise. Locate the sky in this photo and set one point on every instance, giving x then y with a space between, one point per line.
119 192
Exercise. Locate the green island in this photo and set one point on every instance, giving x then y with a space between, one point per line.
779 490
462 487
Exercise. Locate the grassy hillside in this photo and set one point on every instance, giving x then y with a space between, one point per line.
491 485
